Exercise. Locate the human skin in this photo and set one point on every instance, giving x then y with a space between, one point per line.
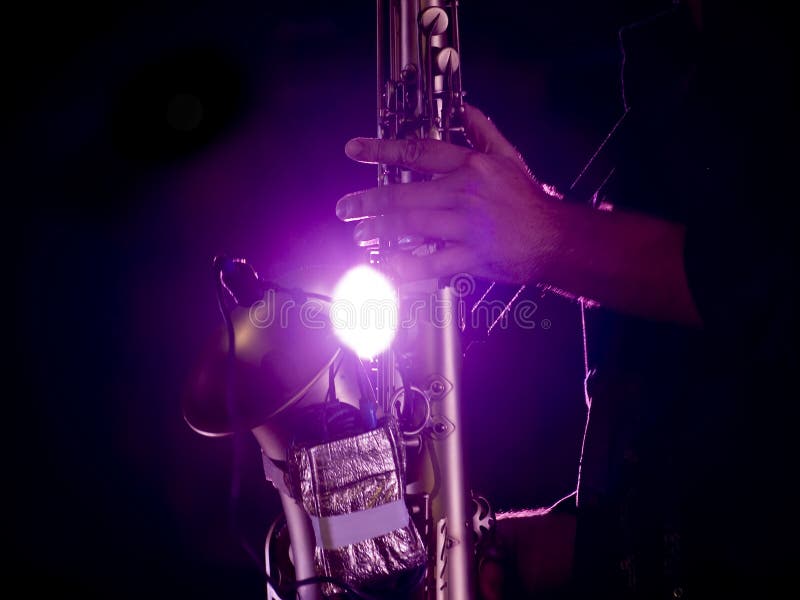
497 221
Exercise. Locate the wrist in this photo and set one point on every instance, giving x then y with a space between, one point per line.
563 251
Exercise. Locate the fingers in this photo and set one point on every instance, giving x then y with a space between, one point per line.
392 198
433 156
485 137
448 261
423 156
449 225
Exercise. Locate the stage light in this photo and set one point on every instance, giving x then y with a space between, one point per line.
364 311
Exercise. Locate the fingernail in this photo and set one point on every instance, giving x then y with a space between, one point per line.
353 148
342 208
364 236
409 241
361 231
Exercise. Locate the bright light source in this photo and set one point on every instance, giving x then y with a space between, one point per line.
364 311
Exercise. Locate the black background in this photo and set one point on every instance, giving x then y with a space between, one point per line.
113 210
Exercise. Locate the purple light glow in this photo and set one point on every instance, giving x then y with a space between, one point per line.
364 311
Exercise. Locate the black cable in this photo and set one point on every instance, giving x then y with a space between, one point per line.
408 394
419 575
296 585
333 370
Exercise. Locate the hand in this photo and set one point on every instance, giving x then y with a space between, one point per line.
496 220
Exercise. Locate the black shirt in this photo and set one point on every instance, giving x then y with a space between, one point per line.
687 487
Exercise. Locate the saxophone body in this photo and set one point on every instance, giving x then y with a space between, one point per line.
419 97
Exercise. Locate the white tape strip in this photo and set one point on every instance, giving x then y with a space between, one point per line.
343 530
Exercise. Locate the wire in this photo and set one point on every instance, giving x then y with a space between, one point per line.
333 371
418 576
295 586
299 294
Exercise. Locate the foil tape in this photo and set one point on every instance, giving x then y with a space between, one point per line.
353 477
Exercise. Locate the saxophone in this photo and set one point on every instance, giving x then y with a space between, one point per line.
366 456
420 96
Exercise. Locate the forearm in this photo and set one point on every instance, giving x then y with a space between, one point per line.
628 262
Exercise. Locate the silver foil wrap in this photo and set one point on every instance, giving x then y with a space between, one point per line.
350 475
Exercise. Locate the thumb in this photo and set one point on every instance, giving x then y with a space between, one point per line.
485 137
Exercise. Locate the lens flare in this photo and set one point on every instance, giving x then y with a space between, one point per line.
364 311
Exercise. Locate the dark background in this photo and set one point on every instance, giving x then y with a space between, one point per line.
115 199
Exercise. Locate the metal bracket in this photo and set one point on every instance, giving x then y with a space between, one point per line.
441 427
438 387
